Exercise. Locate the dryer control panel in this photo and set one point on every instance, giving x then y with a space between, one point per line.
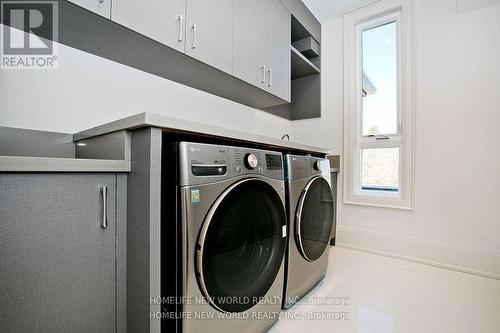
301 167
204 163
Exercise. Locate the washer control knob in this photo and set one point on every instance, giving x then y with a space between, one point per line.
317 165
251 161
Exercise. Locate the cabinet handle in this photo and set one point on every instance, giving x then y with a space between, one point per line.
180 19
270 71
263 68
104 196
194 28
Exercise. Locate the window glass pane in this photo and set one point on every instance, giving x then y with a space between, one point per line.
380 80
380 169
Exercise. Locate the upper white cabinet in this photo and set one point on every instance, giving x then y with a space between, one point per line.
209 32
278 49
101 7
161 20
250 41
261 47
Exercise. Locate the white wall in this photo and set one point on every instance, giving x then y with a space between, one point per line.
87 91
456 216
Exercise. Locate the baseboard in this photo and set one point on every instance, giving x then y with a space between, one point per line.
458 257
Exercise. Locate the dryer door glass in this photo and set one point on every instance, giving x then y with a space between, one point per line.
314 219
241 246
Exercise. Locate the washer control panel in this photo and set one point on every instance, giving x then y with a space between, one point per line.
203 163
264 162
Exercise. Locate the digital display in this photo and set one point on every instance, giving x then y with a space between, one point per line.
274 162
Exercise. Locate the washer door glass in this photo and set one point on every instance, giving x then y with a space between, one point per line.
314 219
241 246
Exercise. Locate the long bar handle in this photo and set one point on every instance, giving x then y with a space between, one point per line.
194 27
104 196
180 19
270 71
263 68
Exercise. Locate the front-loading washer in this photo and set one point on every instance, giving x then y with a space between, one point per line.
231 239
310 216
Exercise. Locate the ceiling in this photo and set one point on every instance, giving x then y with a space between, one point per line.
327 10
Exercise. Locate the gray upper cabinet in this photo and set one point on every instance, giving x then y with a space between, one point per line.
57 263
250 41
209 29
278 49
234 49
262 45
161 20
101 7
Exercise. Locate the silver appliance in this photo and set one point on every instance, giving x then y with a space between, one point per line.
311 209
233 218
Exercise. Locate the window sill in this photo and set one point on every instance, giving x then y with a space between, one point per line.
378 203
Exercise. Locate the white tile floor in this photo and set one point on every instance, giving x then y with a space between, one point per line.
389 295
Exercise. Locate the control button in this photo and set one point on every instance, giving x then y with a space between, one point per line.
238 169
261 170
251 161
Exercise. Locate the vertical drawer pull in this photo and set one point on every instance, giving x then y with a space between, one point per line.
180 19
270 71
194 27
104 196
263 68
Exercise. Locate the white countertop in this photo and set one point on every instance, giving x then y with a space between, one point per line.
49 164
155 120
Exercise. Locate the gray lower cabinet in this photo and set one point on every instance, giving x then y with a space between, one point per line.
161 20
209 29
59 270
261 45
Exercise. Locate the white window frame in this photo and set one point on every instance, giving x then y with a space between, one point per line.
355 23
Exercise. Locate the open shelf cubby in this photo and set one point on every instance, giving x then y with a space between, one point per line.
305 85
301 66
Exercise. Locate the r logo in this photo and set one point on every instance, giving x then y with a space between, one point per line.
32 27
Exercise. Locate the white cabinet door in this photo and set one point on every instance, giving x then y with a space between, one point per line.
101 7
161 20
261 46
278 49
250 41
209 29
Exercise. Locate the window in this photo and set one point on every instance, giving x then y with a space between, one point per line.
378 115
